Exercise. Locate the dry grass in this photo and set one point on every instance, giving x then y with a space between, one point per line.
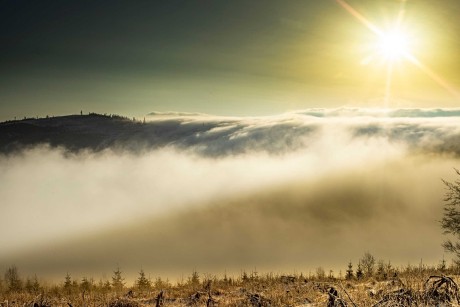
407 290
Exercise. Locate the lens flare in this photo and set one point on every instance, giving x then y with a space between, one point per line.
394 45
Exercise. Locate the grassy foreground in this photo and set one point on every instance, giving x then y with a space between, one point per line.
408 287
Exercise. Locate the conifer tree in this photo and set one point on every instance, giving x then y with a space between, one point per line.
349 274
368 264
450 222
28 286
35 285
194 279
12 279
118 281
381 269
142 282
359 271
32 285
85 285
68 283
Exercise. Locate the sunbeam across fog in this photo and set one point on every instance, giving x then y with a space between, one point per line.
191 191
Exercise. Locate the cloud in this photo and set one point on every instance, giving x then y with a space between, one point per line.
428 130
284 192
381 113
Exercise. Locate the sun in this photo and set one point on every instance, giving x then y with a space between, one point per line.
396 45
393 45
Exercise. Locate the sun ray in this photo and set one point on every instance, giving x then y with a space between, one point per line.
402 12
360 17
388 85
435 77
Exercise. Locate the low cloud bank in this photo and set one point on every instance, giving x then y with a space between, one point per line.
290 192
419 130
428 130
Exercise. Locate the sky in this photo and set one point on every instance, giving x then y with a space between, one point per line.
219 57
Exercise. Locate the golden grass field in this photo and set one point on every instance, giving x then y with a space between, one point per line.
411 286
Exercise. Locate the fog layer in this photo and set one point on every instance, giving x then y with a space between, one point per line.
282 193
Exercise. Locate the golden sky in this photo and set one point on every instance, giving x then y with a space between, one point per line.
225 58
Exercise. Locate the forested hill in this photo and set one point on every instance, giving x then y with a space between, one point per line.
94 132
203 134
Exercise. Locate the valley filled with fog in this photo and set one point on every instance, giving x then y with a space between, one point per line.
179 192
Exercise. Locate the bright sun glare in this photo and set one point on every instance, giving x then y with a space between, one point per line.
393 45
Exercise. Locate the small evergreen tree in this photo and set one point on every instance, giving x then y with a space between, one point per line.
359 271
349 274
35 285
32 285
12 279
28 286
161 284
142 282
68 284
104 286
320 273
194 279
388 270
118 281
244 276
85 285
368 264
442 266
107 285
381 269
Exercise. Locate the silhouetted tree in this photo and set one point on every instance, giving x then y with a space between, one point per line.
381 269
320 273
389 270
450 222
68 283
194 279
35 285
12 279
32 285
368 264
161 284
359 271
142 282
442 266
85 285
104 286
28 286
117 280
244 276
107 286
349 274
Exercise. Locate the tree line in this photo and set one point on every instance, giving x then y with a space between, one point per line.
13 283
